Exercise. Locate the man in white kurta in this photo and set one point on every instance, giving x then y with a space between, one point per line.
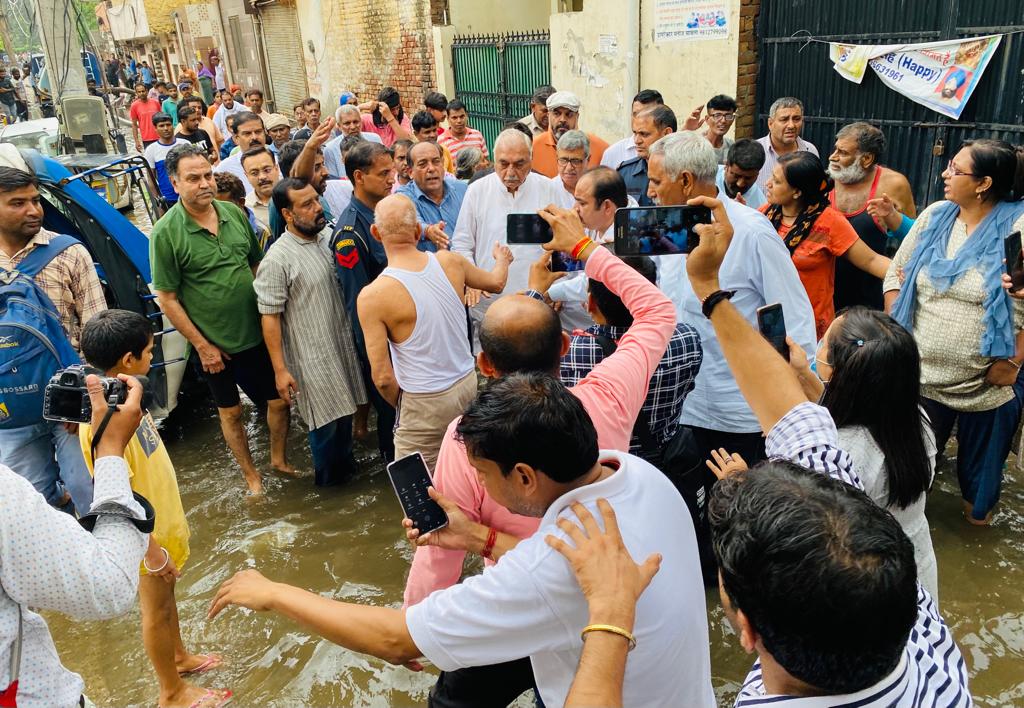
513 188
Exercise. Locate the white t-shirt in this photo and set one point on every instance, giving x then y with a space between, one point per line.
338 194
617 153
529 603
233 164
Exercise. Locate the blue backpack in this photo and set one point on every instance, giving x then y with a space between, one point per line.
33 344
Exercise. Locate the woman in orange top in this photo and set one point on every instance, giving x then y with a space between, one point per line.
815 233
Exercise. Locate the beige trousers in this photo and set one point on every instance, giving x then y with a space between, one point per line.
423 418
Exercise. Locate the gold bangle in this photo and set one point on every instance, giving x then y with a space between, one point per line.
584 249
612 629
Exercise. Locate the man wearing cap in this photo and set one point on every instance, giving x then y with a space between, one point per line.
563 116
279 130
537 120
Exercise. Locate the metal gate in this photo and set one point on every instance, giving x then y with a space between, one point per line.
921 141
495 75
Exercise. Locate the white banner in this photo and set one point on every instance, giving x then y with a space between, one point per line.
676 20
939 75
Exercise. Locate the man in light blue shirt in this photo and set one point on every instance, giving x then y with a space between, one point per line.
436 195
759 271
349 122
737 178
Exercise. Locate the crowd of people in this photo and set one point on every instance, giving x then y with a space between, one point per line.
360 259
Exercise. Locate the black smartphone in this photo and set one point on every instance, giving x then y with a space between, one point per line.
410 478
658 231
527 229
773 327
1014 260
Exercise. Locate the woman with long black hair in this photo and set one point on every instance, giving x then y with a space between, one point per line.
868 377
387 118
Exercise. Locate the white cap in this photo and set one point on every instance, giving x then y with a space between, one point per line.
564 99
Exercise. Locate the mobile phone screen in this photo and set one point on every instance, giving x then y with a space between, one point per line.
410 478
1014 259
658 231
773 327
527 229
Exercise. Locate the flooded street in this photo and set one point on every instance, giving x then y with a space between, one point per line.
346 543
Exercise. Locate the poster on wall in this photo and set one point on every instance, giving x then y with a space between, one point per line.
938 75
676 20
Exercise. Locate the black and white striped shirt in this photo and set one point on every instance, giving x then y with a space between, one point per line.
931 672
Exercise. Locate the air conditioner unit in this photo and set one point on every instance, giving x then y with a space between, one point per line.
84 115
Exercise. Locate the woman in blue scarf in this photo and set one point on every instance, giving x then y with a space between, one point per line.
944 285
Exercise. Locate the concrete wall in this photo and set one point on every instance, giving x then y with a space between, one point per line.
594 54
364 45
491 16
689 72
606 53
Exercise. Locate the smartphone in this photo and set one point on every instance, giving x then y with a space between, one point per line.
527 229
773 327
658 231
1014 260
410 478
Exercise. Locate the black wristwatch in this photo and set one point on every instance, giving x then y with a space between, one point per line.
707 305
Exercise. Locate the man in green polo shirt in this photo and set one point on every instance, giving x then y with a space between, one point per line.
204 255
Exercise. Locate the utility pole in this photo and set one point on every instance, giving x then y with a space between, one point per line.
5 34
57 21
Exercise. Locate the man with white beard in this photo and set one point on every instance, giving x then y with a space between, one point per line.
862 187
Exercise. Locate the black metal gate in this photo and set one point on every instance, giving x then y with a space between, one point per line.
921 141
495 75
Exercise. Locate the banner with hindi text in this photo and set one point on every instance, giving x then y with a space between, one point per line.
939 75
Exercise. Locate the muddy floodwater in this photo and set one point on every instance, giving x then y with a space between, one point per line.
347 544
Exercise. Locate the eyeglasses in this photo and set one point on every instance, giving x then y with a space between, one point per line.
954 171
575 162
721 117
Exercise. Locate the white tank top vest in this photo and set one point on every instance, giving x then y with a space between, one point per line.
436 355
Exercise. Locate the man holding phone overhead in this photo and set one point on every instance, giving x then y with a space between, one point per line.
757 271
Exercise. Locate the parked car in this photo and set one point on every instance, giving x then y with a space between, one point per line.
120 252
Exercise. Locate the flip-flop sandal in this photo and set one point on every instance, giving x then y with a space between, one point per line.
213 698
212 661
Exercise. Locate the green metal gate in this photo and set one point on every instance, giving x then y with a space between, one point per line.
495 75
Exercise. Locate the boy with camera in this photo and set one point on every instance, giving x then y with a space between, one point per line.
121 342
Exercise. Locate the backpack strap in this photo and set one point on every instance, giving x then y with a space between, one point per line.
42 254
642 425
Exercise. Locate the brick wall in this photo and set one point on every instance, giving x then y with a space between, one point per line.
381 43
746 79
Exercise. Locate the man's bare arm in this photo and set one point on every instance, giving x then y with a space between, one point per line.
377 631
492 281
209 354
375 333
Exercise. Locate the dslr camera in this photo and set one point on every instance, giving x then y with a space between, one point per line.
66 398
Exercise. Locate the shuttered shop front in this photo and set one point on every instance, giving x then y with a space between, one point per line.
284 49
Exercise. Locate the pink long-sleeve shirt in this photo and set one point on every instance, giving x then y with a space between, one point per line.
612 395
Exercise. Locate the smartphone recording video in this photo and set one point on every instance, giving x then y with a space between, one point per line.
658 231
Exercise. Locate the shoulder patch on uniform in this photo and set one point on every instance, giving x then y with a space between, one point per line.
348 227
344 243
348 260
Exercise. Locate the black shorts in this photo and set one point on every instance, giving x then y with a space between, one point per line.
250 370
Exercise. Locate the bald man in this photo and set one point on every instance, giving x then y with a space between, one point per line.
520 333
414 322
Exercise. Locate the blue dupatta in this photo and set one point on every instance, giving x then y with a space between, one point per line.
982 250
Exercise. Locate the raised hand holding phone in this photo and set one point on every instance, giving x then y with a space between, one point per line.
411 480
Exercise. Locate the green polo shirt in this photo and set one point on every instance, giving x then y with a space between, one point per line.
212 275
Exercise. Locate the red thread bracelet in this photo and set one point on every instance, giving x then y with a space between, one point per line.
492 537
578 248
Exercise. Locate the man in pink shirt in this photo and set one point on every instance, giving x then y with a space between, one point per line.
520 333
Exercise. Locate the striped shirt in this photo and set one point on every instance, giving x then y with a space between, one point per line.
931 672
296 280
473 138
69 280
771 158
671 381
